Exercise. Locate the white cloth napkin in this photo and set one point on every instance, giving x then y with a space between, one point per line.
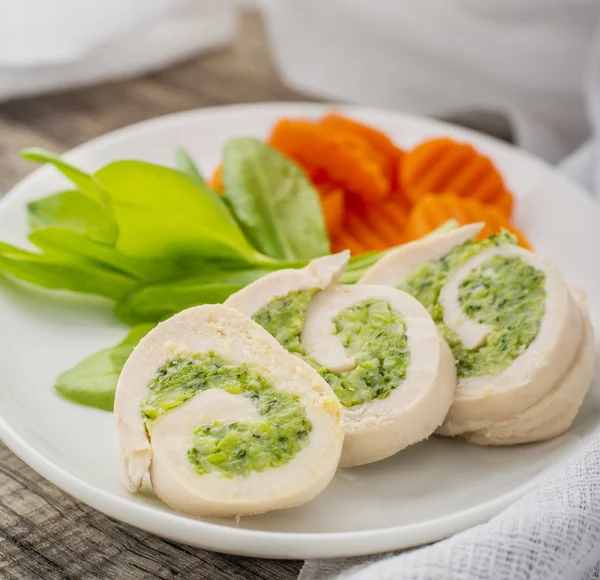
551 534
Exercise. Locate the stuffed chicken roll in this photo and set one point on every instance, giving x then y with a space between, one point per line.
224 419
377 347
520 340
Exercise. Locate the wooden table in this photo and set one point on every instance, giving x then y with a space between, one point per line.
44 533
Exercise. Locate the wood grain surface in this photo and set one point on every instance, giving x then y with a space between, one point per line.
45 534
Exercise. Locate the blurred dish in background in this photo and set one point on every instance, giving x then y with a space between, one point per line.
69 43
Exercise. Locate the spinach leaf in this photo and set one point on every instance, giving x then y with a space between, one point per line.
57 273
161 213
156 302
186 165
358 265
93 381
78 247
84 182
273 200
74 211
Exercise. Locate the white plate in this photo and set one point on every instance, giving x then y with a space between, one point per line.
423 494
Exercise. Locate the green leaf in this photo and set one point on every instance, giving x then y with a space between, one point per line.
84 182
186 165
56 273
74 211
93 381
161 213
156 302
446 227
274 202
80 248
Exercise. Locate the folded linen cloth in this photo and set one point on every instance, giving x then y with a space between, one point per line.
553 533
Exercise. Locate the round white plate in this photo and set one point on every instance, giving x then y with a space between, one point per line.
425 493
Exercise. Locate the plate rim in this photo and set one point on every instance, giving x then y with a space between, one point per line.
244 541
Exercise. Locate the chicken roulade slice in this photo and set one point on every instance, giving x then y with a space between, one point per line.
555 412
377 347
224 419
512 324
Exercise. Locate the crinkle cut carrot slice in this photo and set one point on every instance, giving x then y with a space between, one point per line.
505 202
375 138
432 211
343 158
442 164
332 204
496 221
378 140
216 181
360 229
344 240
386 219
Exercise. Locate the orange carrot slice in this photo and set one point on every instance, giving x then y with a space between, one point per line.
504 202
432 211
496 218
369 238
440 165
344 240
378 140
332 204
341 157
216 181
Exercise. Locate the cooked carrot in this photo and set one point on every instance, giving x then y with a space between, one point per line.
216 181
368 237
440 165
378 140
496 221
379 220
434 210
346 241
332 204
375 138
390 219
504 202
341 157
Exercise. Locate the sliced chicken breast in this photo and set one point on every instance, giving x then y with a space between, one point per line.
319 274
415 407
460 286
224 419
397 383
556 411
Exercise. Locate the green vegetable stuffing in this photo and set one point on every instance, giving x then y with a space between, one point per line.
240 447
505 293
371 332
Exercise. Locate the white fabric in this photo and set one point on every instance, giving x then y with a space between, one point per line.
524 58
551 534
49 45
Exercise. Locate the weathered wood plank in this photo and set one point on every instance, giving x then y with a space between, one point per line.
47 534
